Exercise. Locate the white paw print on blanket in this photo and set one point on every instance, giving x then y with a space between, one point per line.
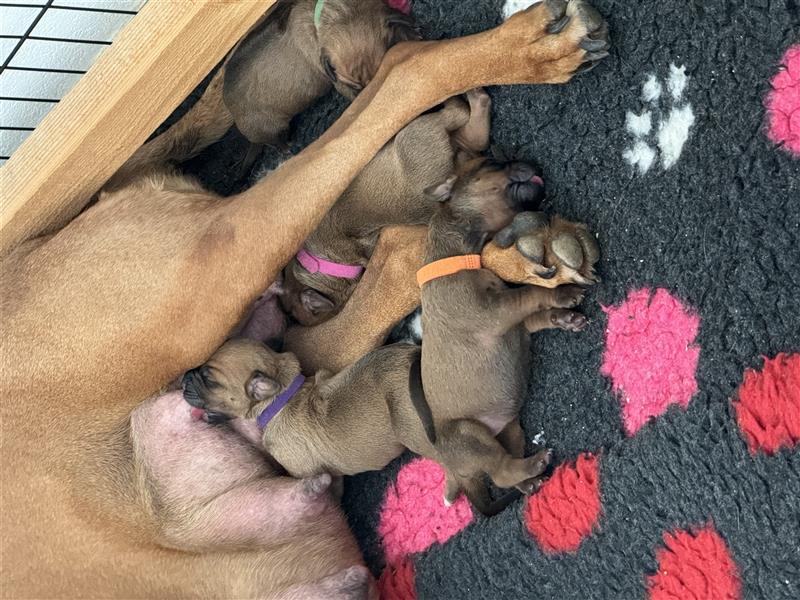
668 135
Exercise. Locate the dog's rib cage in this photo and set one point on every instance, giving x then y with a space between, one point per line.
45 47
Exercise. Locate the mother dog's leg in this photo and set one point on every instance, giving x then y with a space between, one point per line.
387 293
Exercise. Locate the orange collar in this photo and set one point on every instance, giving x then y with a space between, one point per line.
448 266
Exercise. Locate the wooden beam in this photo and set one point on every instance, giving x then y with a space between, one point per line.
153 64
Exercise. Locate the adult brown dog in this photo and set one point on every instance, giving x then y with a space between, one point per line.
147 282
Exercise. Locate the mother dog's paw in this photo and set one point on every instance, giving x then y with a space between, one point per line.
538 251
556 39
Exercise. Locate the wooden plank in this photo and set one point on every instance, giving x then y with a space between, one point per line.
153 64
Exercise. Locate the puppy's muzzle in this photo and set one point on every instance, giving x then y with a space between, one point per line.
525 187
191 384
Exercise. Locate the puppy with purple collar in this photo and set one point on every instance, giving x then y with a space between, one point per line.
357 420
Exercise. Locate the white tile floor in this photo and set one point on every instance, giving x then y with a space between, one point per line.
26 96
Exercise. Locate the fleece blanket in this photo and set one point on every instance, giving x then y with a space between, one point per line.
675 416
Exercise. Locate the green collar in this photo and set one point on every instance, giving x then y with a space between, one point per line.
318 12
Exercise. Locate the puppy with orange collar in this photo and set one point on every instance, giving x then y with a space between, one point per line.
475 346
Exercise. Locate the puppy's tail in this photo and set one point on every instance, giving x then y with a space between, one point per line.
205 123
418 399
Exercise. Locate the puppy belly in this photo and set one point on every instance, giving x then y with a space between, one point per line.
358 458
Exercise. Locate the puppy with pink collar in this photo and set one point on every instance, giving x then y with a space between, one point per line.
389 191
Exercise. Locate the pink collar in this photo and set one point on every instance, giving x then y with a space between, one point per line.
315 264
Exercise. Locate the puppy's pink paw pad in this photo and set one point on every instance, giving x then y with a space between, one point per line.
694 565
783 103
567 507
650 355
414 516
768 405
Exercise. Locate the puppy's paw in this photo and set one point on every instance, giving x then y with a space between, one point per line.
314 487
546 253
532 485
568 320
538 463
568 296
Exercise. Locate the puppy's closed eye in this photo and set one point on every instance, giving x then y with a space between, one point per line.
207 379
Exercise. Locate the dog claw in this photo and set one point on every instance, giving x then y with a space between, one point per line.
558 26
595 56
556 7
594 45
586 67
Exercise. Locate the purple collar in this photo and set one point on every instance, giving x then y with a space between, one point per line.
315 264
280 401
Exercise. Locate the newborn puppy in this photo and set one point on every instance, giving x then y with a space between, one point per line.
389 191
302 49
357 420
475 348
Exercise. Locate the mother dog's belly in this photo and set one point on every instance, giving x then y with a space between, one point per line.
189 460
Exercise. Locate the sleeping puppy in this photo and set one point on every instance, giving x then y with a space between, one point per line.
475 348
299 52
357 420
389 191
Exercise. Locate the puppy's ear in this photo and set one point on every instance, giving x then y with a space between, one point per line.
402 28
260 387
441 192
314 302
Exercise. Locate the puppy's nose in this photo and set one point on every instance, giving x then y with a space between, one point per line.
520 172
526 188
190 392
